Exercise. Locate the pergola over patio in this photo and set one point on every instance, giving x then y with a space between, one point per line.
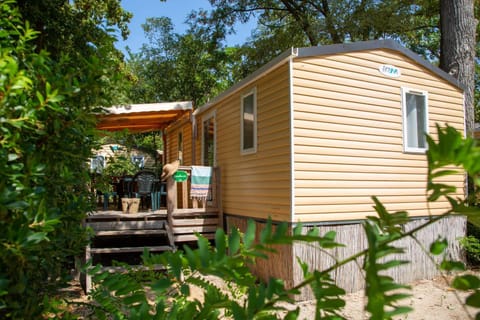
143 117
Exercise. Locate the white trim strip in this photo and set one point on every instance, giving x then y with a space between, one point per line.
292 146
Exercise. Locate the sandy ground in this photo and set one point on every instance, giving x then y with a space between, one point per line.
431 300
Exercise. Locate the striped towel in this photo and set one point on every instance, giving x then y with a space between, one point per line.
201 186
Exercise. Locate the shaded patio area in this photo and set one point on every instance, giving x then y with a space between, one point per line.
177 218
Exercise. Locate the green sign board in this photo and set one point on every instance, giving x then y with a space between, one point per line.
180 176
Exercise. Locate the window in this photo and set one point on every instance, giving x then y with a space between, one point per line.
180 147
415 120
249 123
138 161
97 164
208 140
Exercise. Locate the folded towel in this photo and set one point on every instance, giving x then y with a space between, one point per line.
201 185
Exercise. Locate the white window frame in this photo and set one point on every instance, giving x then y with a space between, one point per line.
254 148
406 133
210 115
180 146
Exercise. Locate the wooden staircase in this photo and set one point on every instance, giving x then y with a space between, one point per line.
188 217
124 237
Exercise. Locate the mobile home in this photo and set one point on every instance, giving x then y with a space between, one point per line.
312 135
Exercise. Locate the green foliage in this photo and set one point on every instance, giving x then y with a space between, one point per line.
448 157
293 23
47 131
80 38
120 165
471 245
381 232
33 206
174 67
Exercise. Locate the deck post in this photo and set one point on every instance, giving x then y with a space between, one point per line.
218 195
88 277
171 195
171 206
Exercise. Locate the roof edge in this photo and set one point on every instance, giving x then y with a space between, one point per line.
378 44
150 107
250 78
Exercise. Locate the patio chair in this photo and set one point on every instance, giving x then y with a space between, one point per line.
145 185
127 185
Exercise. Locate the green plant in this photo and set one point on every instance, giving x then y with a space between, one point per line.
471 245
47 132
120 165
103 183
117 167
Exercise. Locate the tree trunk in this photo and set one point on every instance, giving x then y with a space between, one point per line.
457 49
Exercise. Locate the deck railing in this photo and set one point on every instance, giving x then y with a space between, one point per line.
188 216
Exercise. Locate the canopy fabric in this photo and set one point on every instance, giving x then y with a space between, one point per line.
143 117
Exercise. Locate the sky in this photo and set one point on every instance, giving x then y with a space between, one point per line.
177 11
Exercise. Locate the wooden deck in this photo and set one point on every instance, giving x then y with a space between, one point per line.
116 233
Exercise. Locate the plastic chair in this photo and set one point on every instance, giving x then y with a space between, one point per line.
160 191
145 182
127 185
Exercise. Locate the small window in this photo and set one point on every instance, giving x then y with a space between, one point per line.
249 123
97 164
208 140
180 147
138 161
415 120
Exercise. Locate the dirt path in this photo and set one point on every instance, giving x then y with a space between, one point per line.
431 300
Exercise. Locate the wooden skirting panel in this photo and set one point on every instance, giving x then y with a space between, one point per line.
351 277
278 265
348 277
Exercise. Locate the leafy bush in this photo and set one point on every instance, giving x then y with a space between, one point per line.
46 135
471 245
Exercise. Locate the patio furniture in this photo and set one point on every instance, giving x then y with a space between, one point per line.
145 186
106 198
159 192
127 185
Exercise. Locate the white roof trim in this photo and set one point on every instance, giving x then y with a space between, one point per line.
150 107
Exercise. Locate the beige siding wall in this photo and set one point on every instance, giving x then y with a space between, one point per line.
185 127
348 139
255 185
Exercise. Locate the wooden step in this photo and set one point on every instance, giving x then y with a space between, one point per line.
113 269
192 229
194 222
130 249
130 232
192 237
126 225
194 212
185 223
